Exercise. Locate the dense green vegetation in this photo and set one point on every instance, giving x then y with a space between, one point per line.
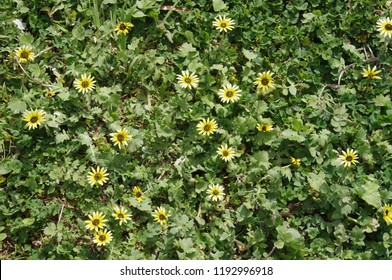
308 174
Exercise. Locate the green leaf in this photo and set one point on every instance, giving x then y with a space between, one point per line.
261 159
50 230
316 180
369 192
187 49
85 139
10 166
190 37
243 213
381 100
138 14
186 245
219 5
16 105
26 39
248 54
61 137
3 236
28 221
79 32
353 50
292 135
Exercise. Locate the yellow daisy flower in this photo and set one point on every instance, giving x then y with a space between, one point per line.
385 27
296 162
120 137
50 94
34 118
123 28
265 81
187 80
121 214
264 127
387 214
215 192
371 73
96 221
161 216
223 24
229 93
103 237
207 127
227 154
85 84
349 157
24 54
97 176
137 194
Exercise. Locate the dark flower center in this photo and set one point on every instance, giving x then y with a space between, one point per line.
215 192
225 153
96 222
223 25
349 158
98 177
229 93
24 55
138 194
34 119
85 84
121 216
123 26
207 127
102 238
388 27
386 212
188 80
120 138
265 81
162 217
264 128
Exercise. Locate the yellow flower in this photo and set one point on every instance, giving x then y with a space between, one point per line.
187 80
223 24
265 81
137 194
24 54
123 27
207 127
385 27
121 214
371 73
120 137
387 214
97 176
34 118
229 93
349 157
161 216
103 237
226 153
215 192
50 94
96 221
264 127
296 162
2 179
85 84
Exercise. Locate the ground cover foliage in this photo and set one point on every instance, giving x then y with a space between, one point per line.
285 193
